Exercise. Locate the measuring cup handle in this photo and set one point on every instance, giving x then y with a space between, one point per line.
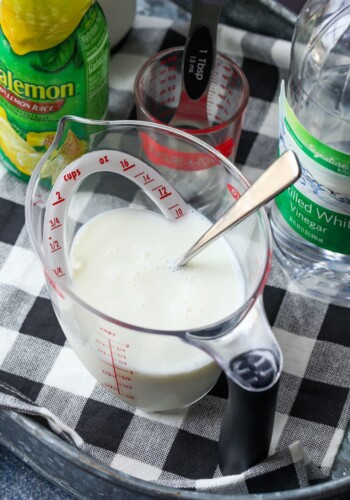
246 428
252 360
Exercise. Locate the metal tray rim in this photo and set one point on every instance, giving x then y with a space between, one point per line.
138 486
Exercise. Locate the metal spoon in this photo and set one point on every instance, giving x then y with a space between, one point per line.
280 175
198 65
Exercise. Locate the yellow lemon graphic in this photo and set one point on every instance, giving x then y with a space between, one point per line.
71 149
23 155
17 150
39 25
40 139
3 113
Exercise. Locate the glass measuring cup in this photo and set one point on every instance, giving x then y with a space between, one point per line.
157 91
95 166
158 86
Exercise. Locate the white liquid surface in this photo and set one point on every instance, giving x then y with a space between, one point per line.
123 264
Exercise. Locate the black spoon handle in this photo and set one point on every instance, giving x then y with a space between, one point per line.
200 47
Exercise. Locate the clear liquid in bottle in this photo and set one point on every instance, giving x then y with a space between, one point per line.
311 220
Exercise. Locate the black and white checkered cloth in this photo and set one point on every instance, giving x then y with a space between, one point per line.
40 374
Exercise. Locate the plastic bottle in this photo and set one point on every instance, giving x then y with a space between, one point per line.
311 220
54 62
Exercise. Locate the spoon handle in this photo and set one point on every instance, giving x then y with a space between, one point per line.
198 65
200 50
280 175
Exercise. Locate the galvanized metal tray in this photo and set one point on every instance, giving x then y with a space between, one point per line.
85 478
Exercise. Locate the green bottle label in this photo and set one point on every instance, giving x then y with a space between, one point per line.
317 206
38 88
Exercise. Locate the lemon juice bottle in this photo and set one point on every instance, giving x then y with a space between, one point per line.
54 62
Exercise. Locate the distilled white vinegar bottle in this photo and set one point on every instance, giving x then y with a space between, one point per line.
311 220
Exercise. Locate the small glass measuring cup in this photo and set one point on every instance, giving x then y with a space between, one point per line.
95 166
158 87
157 90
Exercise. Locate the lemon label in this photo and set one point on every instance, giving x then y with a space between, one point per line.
38 87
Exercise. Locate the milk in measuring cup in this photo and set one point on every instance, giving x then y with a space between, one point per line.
122 263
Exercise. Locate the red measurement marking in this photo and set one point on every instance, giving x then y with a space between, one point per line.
103 160
126 371
55 246
58 272
100 342
53 284
117 350
162 191
109 332
54 223
109 386
115 353
126 386
120 356
120 344
179 213
106 363
114 368
111 340
147 179
126 166
59 199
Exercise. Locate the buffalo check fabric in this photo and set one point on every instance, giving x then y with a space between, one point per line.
41 376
